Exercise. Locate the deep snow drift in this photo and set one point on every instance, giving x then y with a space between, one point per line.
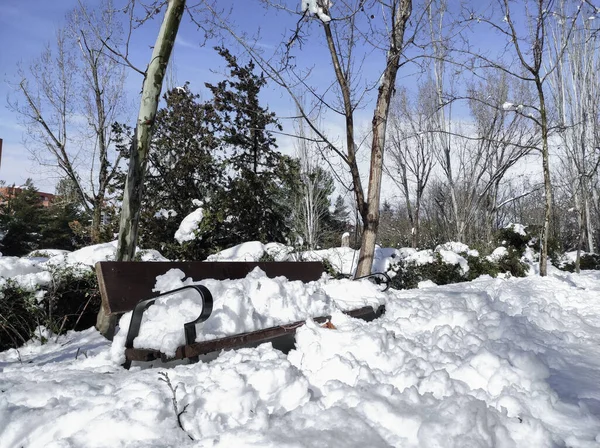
490 363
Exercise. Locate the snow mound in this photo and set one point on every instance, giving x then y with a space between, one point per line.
189 225
13 266
90 255
253 251
489 363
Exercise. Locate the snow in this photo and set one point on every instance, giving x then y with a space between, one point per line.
253 251
12 266
498 253
313 6
189 225
87 257
165 214
450 257
517 228
453 246
505 362
420 257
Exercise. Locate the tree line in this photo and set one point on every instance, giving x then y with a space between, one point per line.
452 140
219 155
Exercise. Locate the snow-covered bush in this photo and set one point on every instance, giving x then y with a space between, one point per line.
516 237
20 314
444 266
68 301
586 262
479 266
409 272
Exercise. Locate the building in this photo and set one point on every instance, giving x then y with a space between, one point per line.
9 192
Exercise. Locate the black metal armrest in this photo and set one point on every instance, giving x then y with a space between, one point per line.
189 328
379 278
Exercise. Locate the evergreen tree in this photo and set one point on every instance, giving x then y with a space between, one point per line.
57 231
251 206
389 234
181 168
336 223
21 219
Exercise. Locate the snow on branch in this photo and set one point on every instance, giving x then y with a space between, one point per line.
316 7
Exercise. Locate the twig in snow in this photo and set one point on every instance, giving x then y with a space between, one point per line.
165 377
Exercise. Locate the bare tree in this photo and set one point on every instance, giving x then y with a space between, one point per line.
347 26
411 150
316 184
528 42
501 141
576 94
68 82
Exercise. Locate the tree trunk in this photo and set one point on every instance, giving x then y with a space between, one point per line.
97 220
132 199
380 116
579 208
547 182
588 225
152 86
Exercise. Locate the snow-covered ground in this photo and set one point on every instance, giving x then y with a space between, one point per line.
490 363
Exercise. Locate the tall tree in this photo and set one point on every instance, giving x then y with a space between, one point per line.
251 206
73 79
138 160
182 168
399 12
346 28
576 95
528 40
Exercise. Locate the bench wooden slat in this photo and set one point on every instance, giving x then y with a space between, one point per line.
124 283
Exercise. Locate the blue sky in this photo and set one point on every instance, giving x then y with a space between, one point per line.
26 26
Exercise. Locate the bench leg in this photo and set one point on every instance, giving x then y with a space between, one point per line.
106 324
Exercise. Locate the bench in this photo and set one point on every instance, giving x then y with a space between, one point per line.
127 286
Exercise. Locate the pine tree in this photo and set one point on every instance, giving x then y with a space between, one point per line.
251 206
182 168
336 223
57 229
21 218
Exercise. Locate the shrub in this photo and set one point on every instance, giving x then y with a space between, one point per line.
70 301
511 262
510 238
409 274
479 266
20 314
586 262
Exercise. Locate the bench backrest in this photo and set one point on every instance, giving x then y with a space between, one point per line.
124 283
